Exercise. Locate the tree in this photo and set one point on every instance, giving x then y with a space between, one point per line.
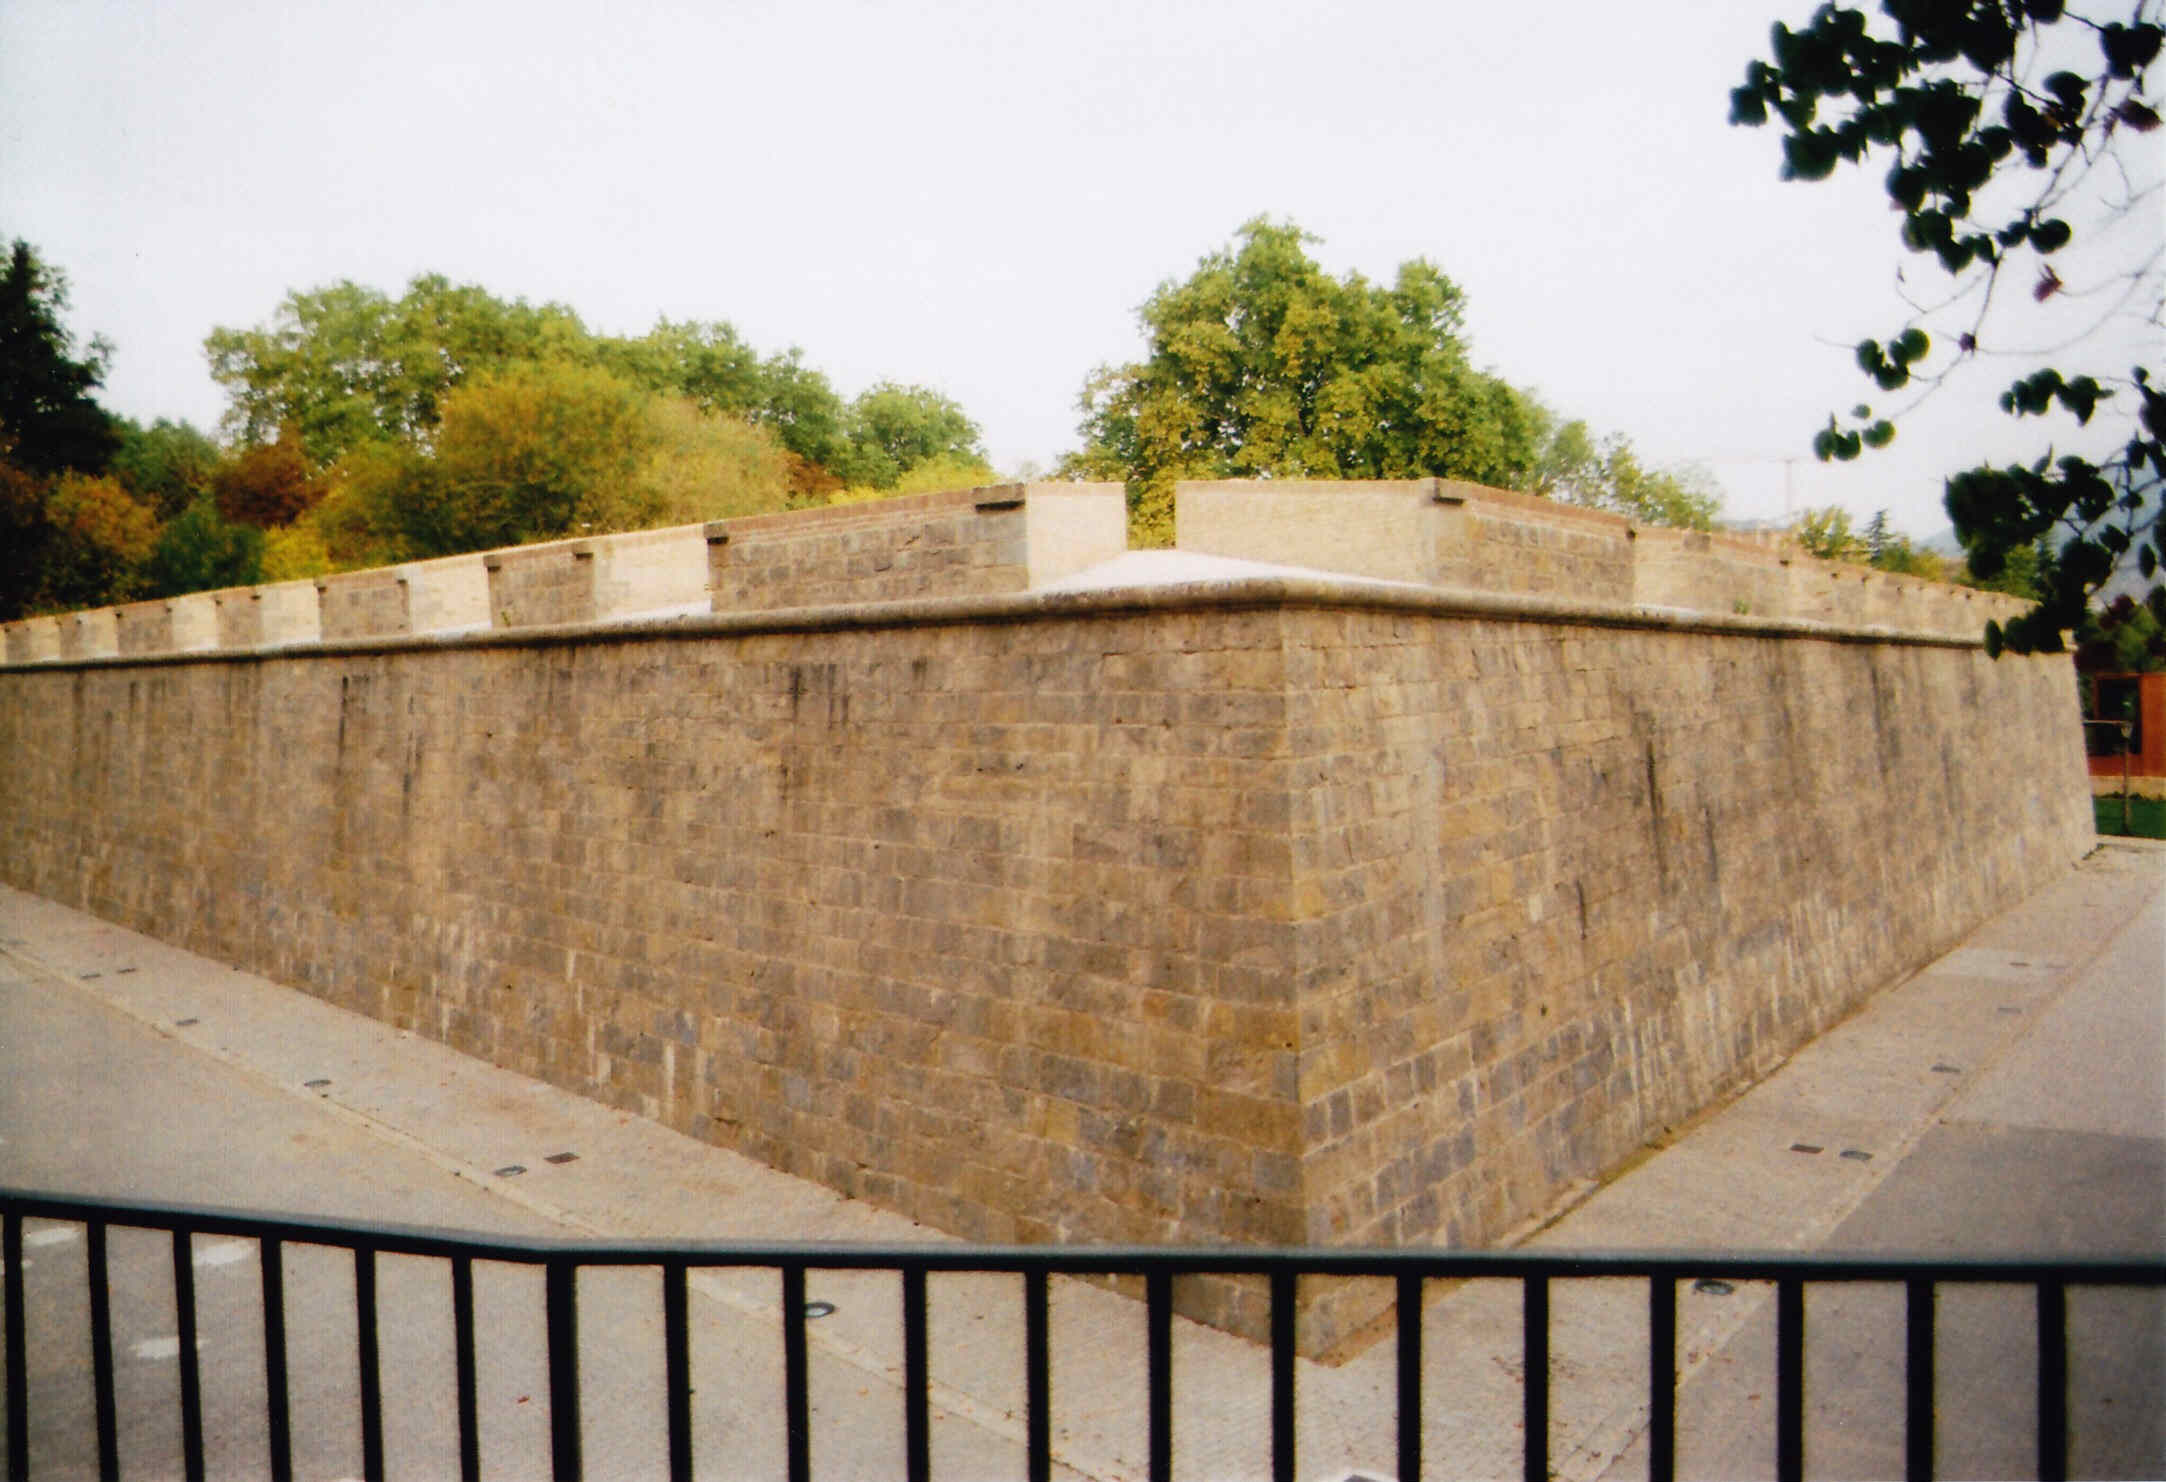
345 364
49 421
2022 572
1260 363
707 363
531 453
536 452
894 429
200 550
2127 637
1827 533
1995 142
1574 468
167 465
268 485
97 540
705 466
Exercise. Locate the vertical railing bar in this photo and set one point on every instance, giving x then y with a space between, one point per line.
277 1399
17 1345
1158 1318
191 1379
2052 1381
1661 1379
1283 1291
796 1401
563 1303
462 1351
1409 1315
1789 1379
367 1361
1534 1350
677 1350
1918 1380
101 1355
917 1431
1037 1362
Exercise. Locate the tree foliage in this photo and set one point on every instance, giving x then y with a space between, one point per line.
538 452
266 485
97 539
1261 364
895 429
50 422
167 465
343 366
2126 637
2001 121
1575 467
200 550
1830 534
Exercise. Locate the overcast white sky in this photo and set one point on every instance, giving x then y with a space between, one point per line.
976 197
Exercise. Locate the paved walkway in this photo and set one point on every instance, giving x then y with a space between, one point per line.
2010 1096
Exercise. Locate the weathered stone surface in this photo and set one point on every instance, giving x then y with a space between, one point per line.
965 542
542 585
1258 910
1263 921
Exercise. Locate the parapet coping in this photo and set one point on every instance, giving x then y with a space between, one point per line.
1245 592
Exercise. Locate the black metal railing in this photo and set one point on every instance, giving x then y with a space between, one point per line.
562 1261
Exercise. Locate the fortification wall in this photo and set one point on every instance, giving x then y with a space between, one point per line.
1441 532
968 542
1278 909
1002 538
1288 911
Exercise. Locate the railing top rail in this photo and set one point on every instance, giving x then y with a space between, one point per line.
2112 1268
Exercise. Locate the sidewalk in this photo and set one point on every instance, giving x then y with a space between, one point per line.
2011 1096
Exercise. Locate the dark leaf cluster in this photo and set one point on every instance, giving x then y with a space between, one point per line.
1954 97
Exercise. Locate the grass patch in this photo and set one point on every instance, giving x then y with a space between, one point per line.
2146 816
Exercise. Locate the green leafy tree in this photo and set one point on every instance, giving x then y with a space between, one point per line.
50 422
2022 572
894 429
1899 556
705 466
1827 533
2001 120
96 541
2126 637
1261 363
707 363
537 452
803 409
1608 475
346 364
167 465
199 550
341 369
532 453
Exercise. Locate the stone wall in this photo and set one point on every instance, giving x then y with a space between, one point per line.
1295 911
542 585
1026 537
1440 532
968 542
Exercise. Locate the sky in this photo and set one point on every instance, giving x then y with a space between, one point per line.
978 197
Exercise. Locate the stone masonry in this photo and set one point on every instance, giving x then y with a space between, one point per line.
1273 908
